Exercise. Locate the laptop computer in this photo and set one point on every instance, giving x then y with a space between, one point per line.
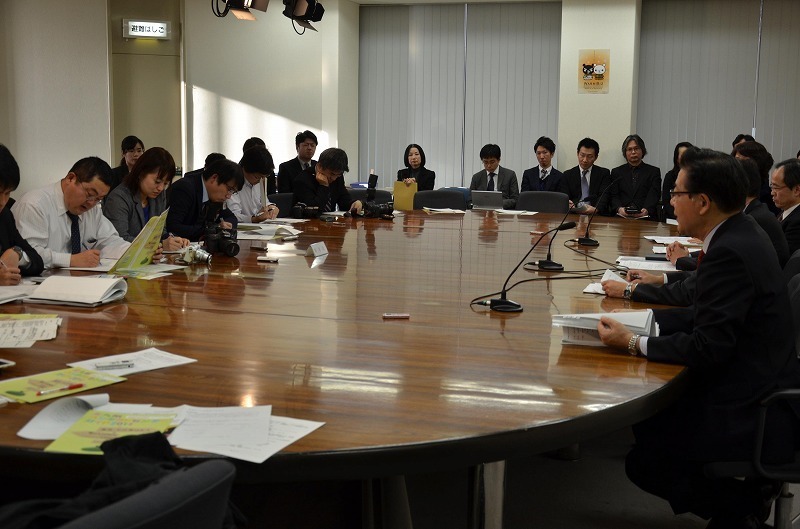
487 199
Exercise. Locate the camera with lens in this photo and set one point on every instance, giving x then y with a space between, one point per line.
303 211
195 254
218 240
371 209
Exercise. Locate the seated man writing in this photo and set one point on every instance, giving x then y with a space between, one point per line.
322 186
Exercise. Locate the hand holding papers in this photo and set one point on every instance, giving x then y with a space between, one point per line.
581 329
597 288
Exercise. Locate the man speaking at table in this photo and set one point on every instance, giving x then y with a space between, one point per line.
738 342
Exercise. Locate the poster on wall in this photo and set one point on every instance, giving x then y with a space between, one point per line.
594 71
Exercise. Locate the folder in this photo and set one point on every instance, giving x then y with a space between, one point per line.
404 196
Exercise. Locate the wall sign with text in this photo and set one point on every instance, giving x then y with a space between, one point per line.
594 71
145 29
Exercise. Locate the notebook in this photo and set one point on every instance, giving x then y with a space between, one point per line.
487 200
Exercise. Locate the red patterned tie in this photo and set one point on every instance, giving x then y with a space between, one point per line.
700 258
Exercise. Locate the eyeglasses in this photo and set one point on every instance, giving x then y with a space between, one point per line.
633 149
91 194
231 190
673 194
773 186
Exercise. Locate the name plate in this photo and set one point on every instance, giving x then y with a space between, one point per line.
317 249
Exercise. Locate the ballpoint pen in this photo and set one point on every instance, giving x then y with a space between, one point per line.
57 390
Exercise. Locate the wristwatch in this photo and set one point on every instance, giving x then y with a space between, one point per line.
19 252
628 291
632 345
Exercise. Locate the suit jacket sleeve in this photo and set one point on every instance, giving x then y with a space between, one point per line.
426 180
676 293
510 201
119 210
527 174
309 192
11 238
184 211
653 193
476 181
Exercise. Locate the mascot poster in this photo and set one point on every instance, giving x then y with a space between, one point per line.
594 67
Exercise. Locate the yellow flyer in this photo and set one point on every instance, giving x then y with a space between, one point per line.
53 384
140 252
95 427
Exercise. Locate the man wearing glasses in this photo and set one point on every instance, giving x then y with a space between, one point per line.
61 222
785 188
323 185
196 200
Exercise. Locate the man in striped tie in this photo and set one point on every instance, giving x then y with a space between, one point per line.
586 182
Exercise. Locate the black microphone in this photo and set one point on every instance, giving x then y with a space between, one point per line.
548 264
503 304
586 240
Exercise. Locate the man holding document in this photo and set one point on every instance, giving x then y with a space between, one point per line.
737 339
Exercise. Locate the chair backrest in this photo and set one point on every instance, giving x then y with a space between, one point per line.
284 202
194 498
381 195
543 201
440 198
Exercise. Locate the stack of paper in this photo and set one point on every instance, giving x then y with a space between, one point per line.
431 211
581 329
79 291
23 330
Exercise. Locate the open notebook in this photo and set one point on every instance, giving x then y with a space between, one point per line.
79 291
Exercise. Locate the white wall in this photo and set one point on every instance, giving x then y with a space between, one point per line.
607 118
54 100
262 79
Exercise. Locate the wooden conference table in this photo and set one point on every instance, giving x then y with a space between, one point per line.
452 387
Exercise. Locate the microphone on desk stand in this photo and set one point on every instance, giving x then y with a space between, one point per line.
586 240
548 264
503 304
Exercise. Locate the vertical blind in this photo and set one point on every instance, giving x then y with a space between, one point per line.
418 85
698 68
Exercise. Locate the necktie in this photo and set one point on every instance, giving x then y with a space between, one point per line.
490 185
584 185
780 217
634 176
75 235
305 166
700 258
543 175
330 203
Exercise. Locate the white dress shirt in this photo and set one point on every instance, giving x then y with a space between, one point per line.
42 220
247 202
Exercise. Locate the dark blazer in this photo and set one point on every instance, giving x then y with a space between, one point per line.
425 178
669 185
759 212
10 237
506 182
287 172
308 191
186 217
643 195
737 339
677 292
532 182
598 182
791 230
124 210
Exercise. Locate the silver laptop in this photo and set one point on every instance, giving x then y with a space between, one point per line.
487 200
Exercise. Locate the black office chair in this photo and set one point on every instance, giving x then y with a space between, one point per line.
757 468
543 201
284 202
440 198
381 195
194 498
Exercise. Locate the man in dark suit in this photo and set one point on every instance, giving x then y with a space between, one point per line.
638 185
585 182
198 200
17 256
496 178
323 186
543 177
306 144
738 342
785 187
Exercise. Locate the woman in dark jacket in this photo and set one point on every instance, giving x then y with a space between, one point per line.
415 171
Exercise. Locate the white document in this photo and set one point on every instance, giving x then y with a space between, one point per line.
13 293
527 213
581 329
658 266
59 415
686 241
80 291
432 211
104 266
145 360
672 222
230 431
19 333
597 288
268 232
663 249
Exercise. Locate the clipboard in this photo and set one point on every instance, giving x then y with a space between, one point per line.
404 196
